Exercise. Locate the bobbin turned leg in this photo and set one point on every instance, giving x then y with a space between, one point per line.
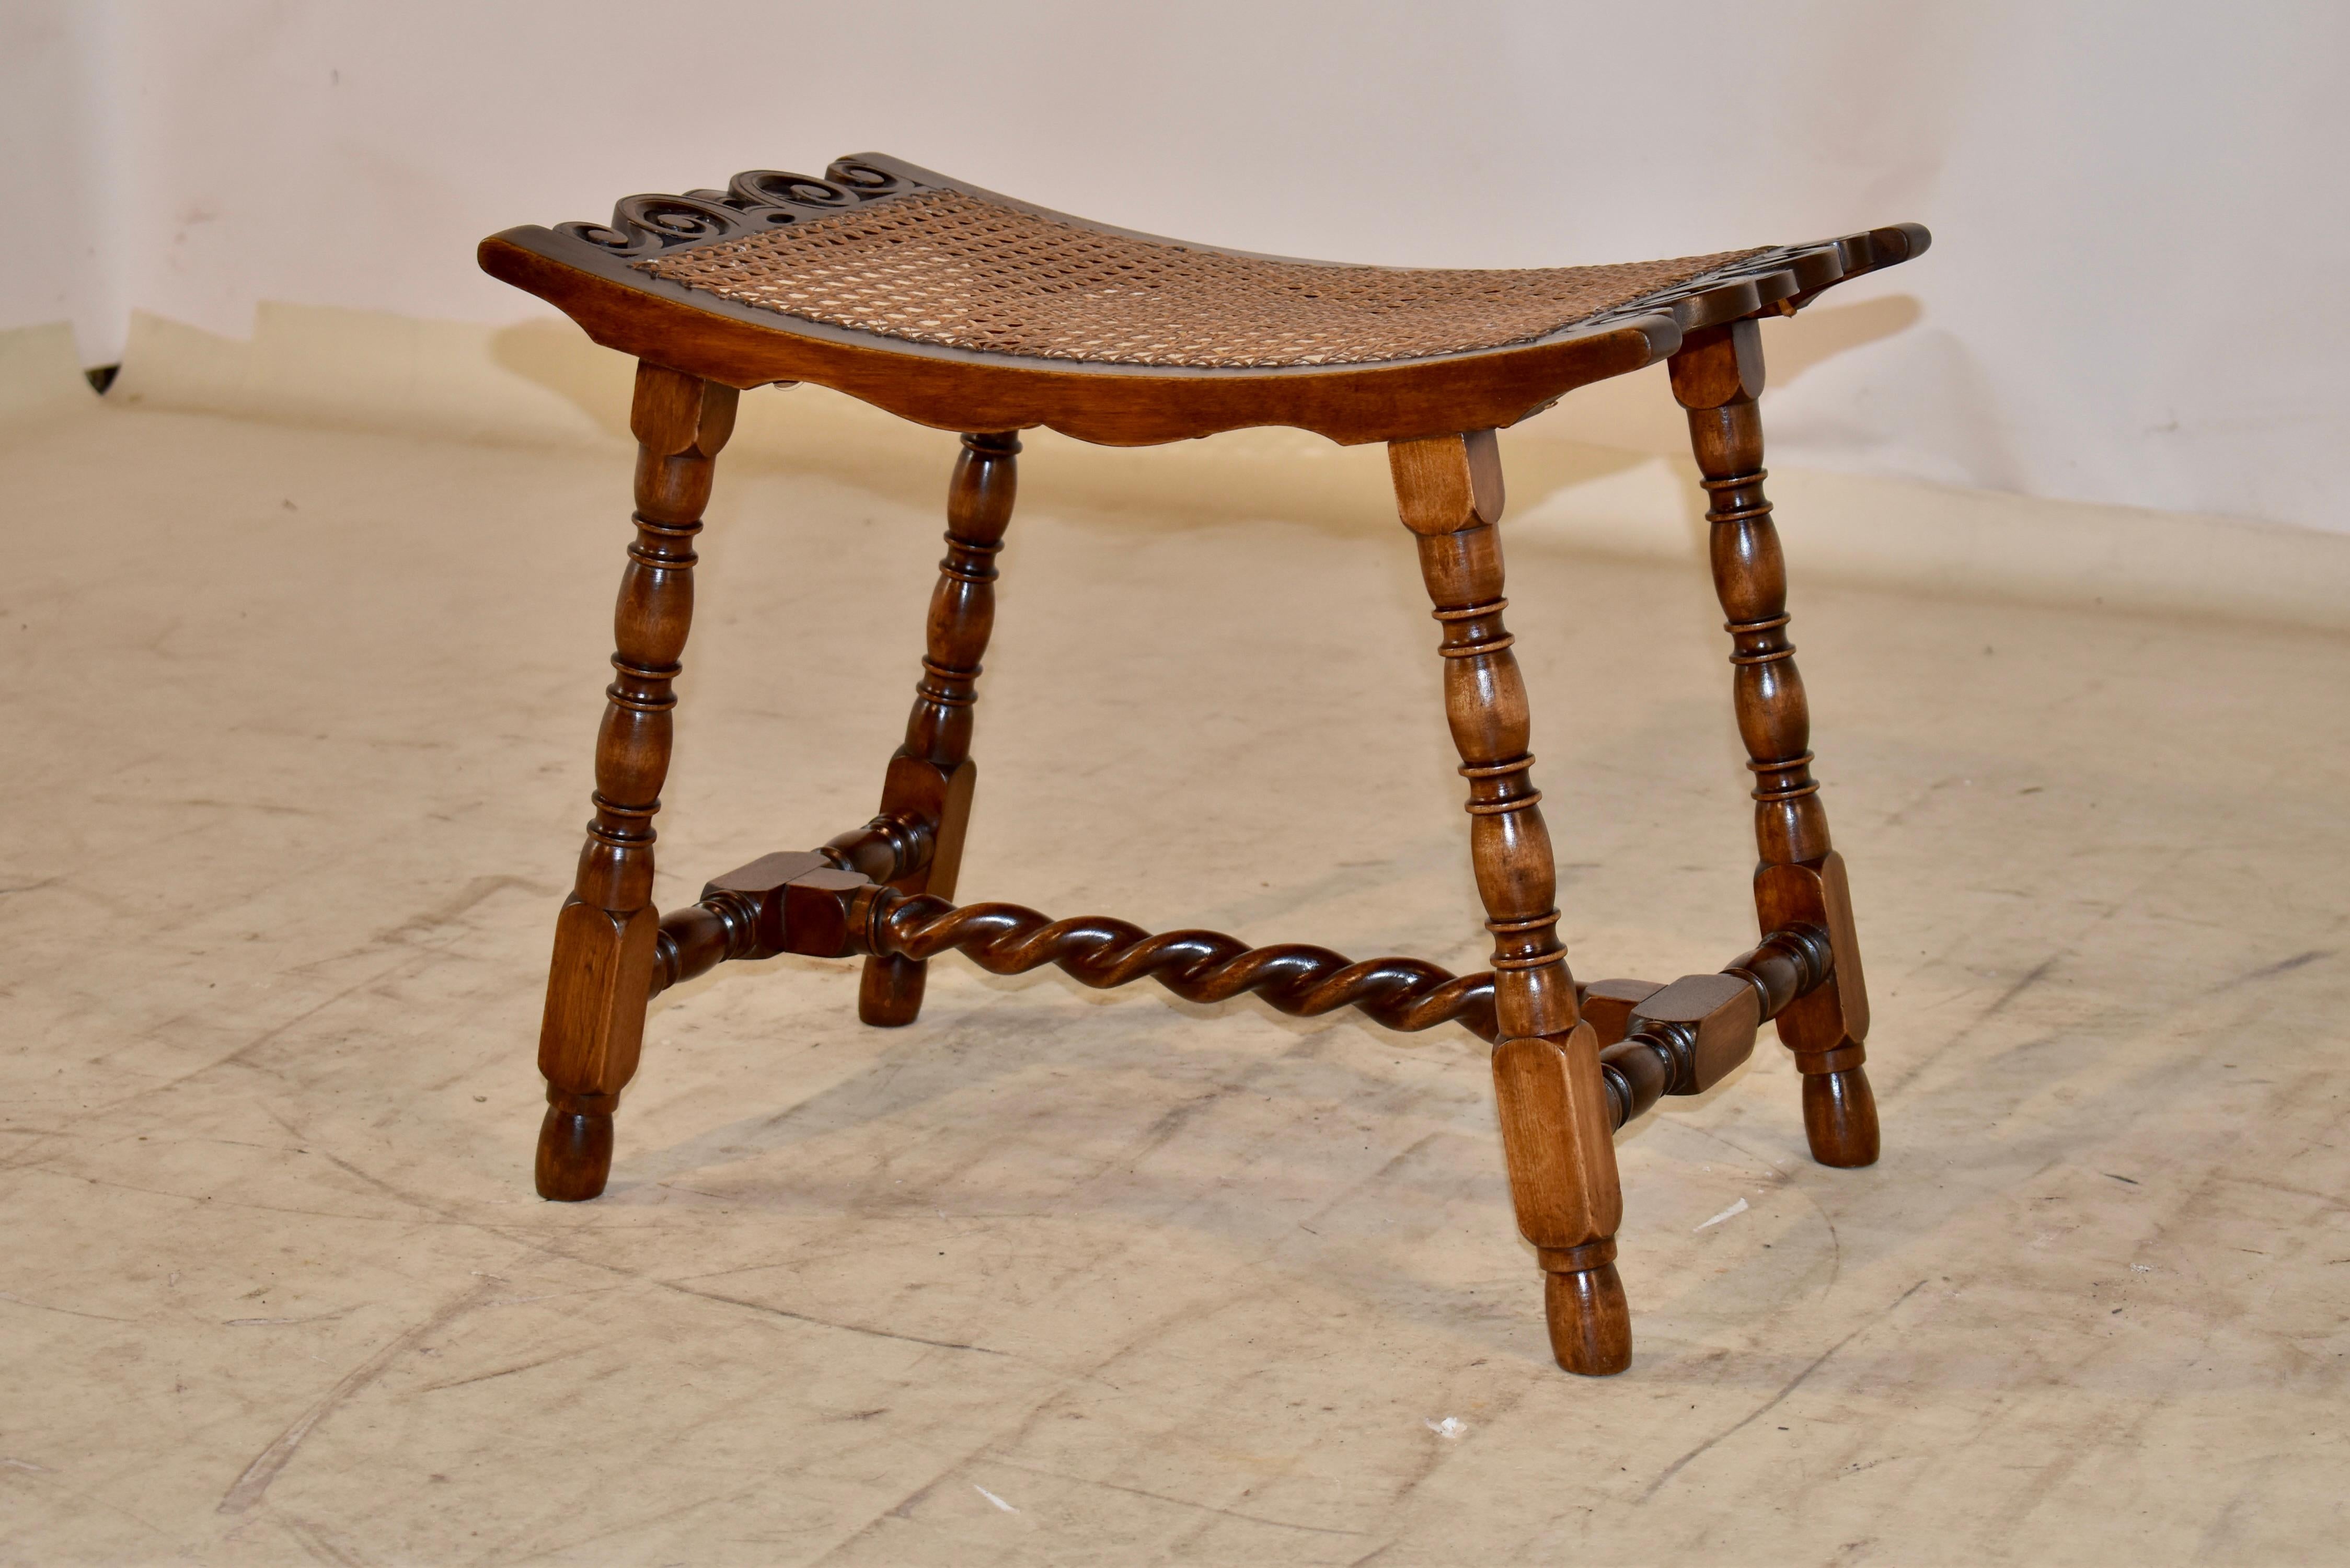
602 970
1717 376
1556 1128
931 777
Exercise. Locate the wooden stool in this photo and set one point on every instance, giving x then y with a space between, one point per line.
967 311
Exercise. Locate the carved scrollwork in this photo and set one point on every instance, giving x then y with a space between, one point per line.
754 200
866 181
1773 281
757 188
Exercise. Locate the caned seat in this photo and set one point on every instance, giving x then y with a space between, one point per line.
971 312
992 311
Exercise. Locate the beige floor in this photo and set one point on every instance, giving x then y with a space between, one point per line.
299 728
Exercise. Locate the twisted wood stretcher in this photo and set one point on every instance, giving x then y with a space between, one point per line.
968 311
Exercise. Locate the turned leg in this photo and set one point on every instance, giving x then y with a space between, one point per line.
1556 1131
931 777
1717 375
604 937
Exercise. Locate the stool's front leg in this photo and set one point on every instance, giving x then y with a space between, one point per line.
1556 1127
1717 376
931 777
602 971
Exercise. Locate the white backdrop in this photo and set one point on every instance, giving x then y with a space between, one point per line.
2140 225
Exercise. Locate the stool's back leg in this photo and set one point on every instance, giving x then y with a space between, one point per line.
932 775
1717 376
1556 1128
602 970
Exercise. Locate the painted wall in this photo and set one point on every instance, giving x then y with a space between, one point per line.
2131 296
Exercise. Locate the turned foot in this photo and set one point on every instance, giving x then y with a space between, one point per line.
890 996
1590 1321
608 934
1840 1117
575 1154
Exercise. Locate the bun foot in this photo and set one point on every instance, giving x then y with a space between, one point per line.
1590 1321
890 996
1840 1117
575 1154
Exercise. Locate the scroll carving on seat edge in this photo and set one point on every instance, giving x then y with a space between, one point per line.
976 313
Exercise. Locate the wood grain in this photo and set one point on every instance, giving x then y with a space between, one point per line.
804 903
1556 1130
1351 406
931 777
607 931
885 892
1717 376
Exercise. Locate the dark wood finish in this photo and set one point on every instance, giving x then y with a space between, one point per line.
1717 376
606 936
1404 994
740 917
1686 1037
1709 1021
884 849
1680 1039
1350 406
1556 1131
755 199
1607 1006
931 777
1571 1065
807 904
1786 966
585 271
1584 1304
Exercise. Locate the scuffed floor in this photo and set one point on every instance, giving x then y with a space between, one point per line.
299 732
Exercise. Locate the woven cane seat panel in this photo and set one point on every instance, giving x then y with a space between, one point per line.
944 267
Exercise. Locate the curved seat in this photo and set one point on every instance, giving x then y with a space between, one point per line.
962 309
971 312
